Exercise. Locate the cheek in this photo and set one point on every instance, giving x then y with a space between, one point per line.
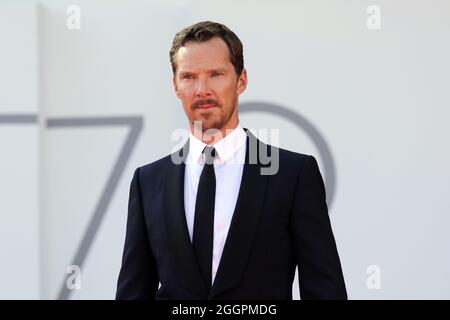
231 93
186 103
185 94
225 92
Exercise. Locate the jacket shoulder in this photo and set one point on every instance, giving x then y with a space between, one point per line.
291 158
296 156
153 172
156 165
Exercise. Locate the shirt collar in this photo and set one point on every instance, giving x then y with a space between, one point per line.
225 148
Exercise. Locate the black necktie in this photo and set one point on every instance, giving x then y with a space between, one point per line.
202 239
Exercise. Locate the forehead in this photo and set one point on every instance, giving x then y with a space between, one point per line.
210 54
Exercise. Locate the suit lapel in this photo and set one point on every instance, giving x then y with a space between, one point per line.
180 241
244 222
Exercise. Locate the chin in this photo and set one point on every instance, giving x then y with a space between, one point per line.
212 126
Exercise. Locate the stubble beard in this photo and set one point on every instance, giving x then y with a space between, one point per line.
213 121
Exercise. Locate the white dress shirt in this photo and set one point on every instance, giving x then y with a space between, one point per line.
228 167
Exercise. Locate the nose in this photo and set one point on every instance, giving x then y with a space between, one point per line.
203 89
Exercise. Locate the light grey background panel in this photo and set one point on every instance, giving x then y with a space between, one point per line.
19 154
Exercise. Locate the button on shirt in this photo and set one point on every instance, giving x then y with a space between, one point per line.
228 167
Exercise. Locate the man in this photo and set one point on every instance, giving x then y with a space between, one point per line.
213 226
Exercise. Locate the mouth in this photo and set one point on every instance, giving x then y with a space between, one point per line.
206 106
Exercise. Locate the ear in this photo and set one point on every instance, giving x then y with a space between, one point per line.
242 82
175 87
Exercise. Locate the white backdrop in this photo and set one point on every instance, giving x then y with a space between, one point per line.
80 109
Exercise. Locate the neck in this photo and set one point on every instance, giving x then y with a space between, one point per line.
211 136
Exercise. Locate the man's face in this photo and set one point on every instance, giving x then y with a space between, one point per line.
207 84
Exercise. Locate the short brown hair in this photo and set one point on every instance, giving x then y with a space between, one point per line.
204 31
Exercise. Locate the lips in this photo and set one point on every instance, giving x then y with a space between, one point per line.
206 106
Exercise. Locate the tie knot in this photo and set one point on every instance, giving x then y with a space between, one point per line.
210 154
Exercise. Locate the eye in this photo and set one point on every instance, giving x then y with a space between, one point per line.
216 74
188 76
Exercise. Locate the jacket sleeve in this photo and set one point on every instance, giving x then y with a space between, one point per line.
138 277
319 268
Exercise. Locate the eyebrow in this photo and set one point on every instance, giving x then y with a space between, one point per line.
184 72
217 70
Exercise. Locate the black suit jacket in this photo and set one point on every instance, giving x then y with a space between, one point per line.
280 221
